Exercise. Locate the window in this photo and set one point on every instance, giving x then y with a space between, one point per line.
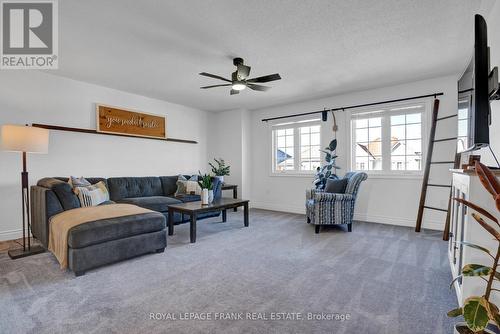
368 139
388 140
296 147
463 124
406 141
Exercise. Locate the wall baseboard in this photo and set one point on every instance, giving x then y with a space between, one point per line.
398 221
278 207
11 235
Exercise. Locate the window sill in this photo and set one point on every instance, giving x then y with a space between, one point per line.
395 176
370 176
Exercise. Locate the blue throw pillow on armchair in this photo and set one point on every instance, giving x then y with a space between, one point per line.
336 186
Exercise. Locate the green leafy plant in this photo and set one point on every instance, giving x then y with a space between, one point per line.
329 168
205 181
221 169
479 311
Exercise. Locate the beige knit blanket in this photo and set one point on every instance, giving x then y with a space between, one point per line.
63 222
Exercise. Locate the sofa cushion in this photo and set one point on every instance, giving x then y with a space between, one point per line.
66 196
156 203
169 184
103 230
131 187
92 180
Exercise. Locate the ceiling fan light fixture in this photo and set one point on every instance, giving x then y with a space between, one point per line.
240 80
239 85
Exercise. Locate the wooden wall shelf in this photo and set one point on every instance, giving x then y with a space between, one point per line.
80 130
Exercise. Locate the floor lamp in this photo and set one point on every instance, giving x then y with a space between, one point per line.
25 139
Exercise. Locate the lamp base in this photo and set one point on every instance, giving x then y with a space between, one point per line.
19 253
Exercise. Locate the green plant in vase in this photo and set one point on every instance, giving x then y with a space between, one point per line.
329 168
220 169
207 188
479 311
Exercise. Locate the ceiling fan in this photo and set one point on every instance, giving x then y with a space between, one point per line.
239 79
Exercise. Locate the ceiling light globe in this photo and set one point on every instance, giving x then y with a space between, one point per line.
239 86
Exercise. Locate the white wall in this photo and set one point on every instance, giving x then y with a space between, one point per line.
230 139
384 200
36 97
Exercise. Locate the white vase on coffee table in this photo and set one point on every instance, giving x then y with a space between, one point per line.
204 196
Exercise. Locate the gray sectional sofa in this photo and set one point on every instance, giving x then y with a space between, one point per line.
106 241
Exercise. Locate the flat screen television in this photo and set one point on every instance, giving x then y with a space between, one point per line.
474 92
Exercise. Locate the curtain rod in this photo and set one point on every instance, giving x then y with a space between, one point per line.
357 106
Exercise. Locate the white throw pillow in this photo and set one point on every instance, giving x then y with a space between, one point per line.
193 187
92 195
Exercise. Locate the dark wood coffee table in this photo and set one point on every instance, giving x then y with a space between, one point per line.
193 209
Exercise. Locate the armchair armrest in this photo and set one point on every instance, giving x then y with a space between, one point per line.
332 197
310 193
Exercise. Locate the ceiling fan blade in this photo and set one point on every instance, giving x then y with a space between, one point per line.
205 74
265 78
223 85
234 91
258 87
243 71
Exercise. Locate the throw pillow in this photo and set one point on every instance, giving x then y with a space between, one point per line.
78 182
92 195
188 187
193 188
336 186
66 195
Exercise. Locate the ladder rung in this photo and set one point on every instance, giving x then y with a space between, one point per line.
442 162
433 208
444 139
439 185
446 117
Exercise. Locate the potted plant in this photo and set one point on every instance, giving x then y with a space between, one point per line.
220 170
207 189
329 169
480 314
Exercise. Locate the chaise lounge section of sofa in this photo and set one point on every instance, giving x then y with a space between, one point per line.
106 241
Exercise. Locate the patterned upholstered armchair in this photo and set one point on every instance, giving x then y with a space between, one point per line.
332 209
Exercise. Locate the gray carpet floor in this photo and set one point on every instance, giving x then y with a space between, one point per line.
379 279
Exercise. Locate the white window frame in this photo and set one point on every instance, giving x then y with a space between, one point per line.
385 112
296 125
467 98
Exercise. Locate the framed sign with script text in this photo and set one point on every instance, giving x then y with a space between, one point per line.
130 123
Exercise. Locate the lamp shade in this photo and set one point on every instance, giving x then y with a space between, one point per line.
18 138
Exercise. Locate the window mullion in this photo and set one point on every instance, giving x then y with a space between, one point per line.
386 143
296 148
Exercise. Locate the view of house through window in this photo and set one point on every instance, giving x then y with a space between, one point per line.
406 142
388 139
296 146
368 143
284 139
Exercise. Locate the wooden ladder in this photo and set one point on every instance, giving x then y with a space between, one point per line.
428 163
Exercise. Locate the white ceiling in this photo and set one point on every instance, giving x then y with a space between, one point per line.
320 47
